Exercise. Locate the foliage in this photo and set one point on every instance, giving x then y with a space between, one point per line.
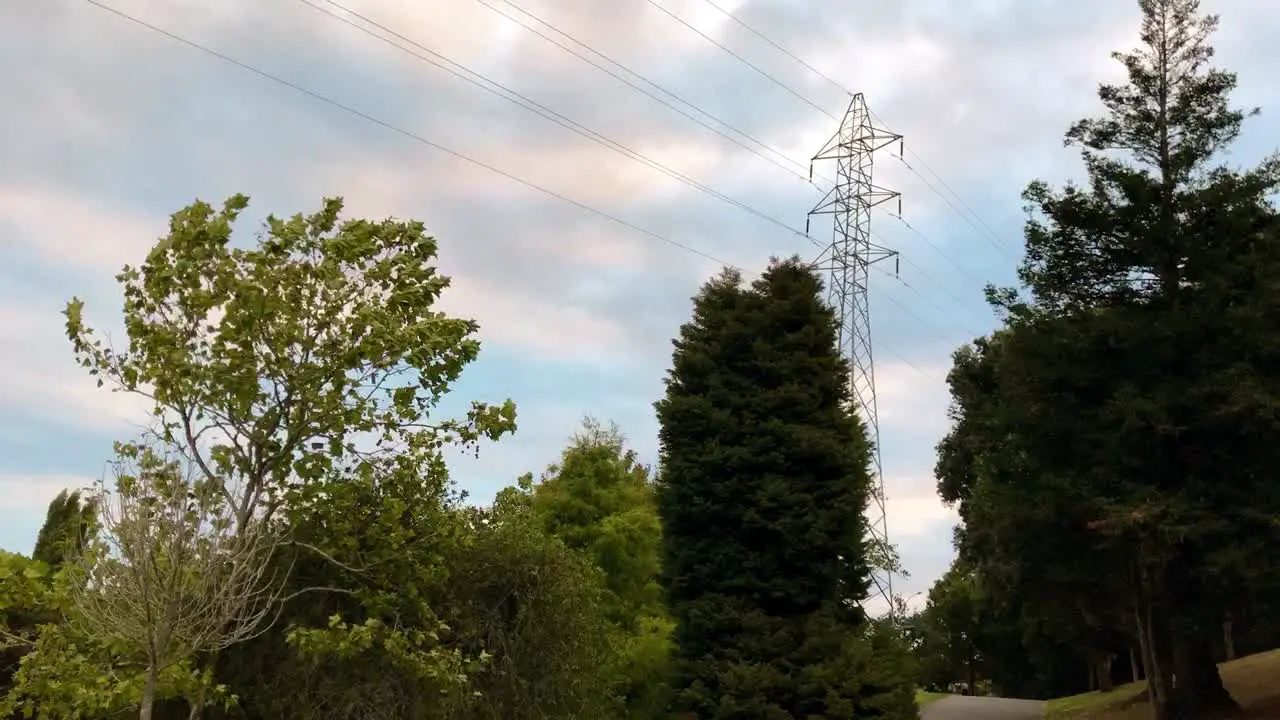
763 486
266 364
423 608
361 634
1108 453
67 522
70 675
536 608
599 500
170 571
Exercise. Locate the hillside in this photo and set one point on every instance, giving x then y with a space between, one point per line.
1254 681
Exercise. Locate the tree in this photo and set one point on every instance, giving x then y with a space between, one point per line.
279 368
66 525
172 572
1026 533
24 590
763 487
600 500
1135 387
265 365
364 630
537 609
26 606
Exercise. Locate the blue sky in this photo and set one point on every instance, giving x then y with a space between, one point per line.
108 127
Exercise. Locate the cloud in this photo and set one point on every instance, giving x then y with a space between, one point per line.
911 514
112 127
24 493
42 380
914 397
23 501
74 232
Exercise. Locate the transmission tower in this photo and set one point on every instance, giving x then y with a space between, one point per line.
847 260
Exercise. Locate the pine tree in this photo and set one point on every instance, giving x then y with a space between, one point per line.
1152 289
1149 224
763 486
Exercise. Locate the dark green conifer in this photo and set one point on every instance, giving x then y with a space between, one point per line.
763 487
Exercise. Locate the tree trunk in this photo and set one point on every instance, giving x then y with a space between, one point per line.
149 693
1104 673
1144 646
1228 637
1153 632
1135 671
973 670
1200 693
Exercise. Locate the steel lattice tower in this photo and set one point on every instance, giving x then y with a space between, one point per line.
847 261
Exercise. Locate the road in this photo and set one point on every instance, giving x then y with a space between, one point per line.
963 707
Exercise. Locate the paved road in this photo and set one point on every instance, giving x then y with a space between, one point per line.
963 707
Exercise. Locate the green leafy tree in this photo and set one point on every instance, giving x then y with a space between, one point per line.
411 605
24 606
762 492
600 500
67 521
363 630
1026 530
537 610
278 367
267 363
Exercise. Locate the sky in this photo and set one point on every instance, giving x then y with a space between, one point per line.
577 256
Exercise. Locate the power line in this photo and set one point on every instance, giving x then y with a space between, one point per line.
624 68
400 131
560 119
936 249
644 79
896 277
451 152
743 60
990 232
1000 245
989 237
941 333
781 49
928 277
436 60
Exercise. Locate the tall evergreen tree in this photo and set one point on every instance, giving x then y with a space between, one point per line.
763 485
66 524
1152 292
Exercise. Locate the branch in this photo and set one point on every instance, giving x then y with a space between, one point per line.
327 556
318 588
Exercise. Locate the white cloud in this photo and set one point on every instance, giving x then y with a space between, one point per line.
912 397
114 126
33 493
39 374
73 231
911 514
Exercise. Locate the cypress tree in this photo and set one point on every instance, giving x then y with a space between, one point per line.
66 523
763 488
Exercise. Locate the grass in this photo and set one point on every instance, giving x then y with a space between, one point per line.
924 698
1251 680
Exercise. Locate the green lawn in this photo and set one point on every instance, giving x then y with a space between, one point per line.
924 698
1251 680
1093 701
